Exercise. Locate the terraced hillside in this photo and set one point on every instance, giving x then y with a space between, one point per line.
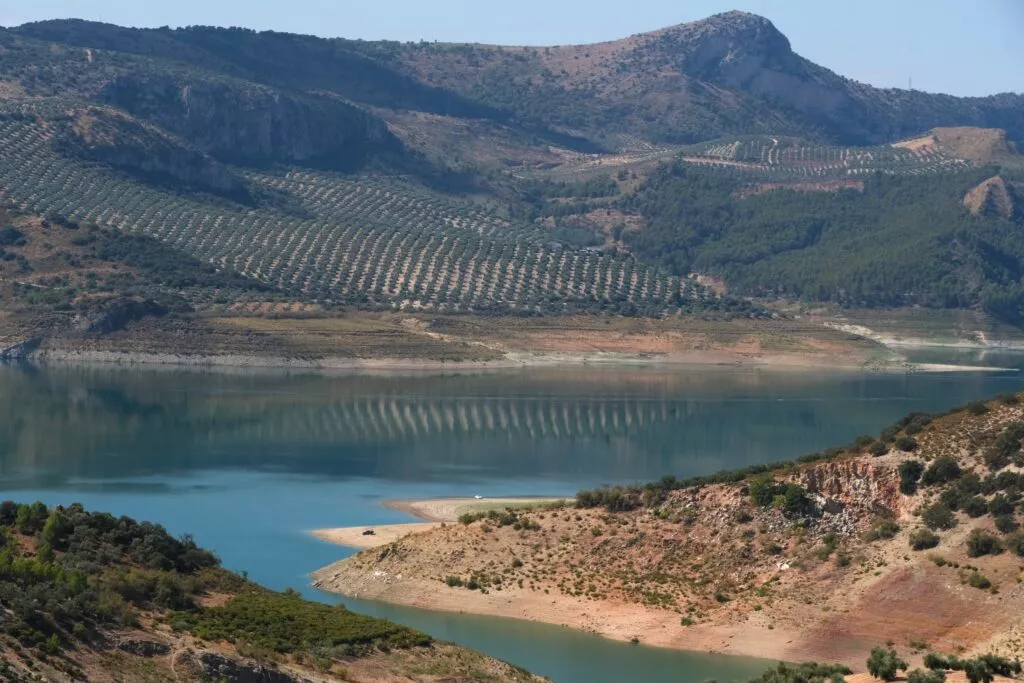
792 157
368 239
769 159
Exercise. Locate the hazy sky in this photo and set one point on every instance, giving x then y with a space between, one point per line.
964 47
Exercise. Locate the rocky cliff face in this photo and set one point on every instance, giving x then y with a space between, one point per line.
244 123
862 489
111 137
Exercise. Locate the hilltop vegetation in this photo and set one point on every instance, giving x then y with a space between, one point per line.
89 596
914 534
896 241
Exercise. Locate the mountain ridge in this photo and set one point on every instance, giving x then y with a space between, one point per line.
690 74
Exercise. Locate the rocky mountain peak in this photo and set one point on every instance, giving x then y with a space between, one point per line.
731 48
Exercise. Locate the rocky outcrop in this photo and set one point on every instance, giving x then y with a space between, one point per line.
241 122
220 668
141 149
116 314
862 489
19 350
144 648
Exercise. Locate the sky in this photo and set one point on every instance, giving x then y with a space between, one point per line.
961 47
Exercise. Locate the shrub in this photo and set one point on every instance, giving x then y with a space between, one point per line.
808 672
453 581
976 580
790 498
983 668
1006 524
1006 449
878 449
1001 505
862 442
926 676
762 491
922 539
907 444
977 408
943 470
981 543
910 474
938 517
937 662
975 506
884 664
1015 542
882 530
10 236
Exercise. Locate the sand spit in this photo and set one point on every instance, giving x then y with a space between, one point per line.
384 534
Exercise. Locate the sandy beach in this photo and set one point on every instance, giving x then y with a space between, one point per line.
435 512
385 534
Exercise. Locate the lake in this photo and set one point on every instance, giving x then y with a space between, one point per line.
248 462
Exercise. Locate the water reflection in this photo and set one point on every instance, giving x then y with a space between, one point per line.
593 425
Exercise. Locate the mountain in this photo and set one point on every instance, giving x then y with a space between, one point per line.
732 73
498 180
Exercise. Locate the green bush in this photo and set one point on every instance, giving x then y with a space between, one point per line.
981 543
910 474
1001 505
938 517
878 449
884 663
1007 448
974 506
882 530
1015 543
941 471
922 539
907 444
790 498
976 580
977 408
926 676
1006 524
808 672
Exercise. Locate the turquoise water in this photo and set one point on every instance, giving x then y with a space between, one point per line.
248 462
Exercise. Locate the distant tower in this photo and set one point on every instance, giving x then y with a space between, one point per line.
910 83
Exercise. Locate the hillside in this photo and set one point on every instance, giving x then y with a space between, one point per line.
886 241
619 178
89 596
994 197
732 73
977 145
912 538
